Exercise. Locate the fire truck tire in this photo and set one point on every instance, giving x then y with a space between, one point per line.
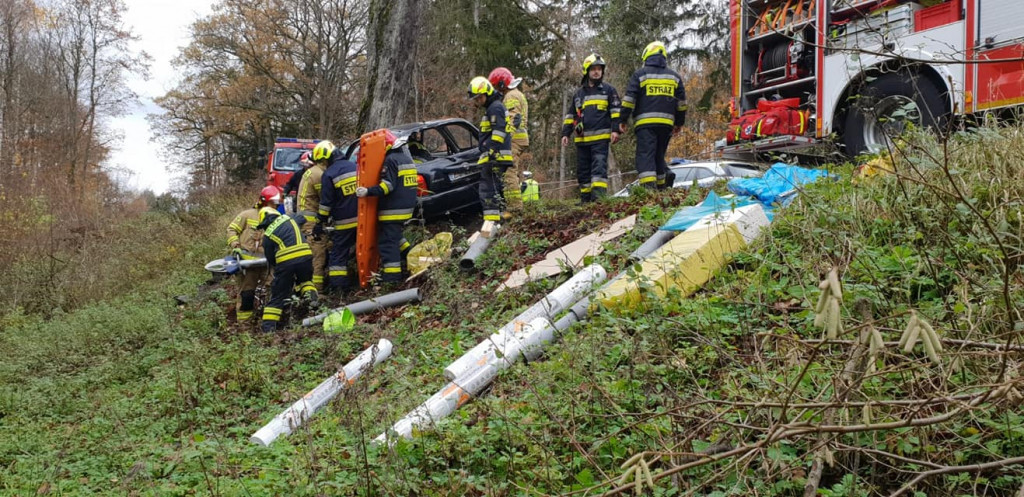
883 107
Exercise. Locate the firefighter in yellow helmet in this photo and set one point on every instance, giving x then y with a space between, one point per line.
495 147
518 116
656 100
593 122
289 257
308 206
245 242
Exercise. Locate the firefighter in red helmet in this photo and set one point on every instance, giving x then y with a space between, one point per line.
244 240
518 112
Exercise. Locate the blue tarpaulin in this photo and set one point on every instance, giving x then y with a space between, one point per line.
776 186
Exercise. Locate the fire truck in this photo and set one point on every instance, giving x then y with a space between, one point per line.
859 70
283 161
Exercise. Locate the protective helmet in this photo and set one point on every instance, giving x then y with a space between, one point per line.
654 47
270 194
305 160
389 137
322 151
267 214
480 86
501 78
592 60
527 174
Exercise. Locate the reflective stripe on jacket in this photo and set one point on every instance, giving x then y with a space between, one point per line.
495 142
397 188
243 230
598 108
516 105
309 193
655 95
338 194
282 241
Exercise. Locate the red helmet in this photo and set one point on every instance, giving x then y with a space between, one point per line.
389 137
270 194
304 160
501 78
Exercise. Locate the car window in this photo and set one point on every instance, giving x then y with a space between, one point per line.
684 175
701 173
742 170
434 141
463 137
287 159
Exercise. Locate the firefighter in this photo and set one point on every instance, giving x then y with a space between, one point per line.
338 206
397 190
656 99
417 149
495 151
245 243
290 258
594 122
291 188
309 205
518 110
529 188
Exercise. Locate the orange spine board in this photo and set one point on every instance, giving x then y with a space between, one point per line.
371 161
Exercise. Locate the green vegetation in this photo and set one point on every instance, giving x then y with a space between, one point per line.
129 393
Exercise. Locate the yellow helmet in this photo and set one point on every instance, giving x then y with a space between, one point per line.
322 151
480 86
654 47
592 60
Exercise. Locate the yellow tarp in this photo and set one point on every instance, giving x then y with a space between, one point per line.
430 252
686 263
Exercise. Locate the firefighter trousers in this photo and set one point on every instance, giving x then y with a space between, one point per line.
592 169
393 247
492 190
513 197
248 281
292 276
343 245
651 145
319 248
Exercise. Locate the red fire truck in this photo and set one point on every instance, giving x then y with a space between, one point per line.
805 69
283 161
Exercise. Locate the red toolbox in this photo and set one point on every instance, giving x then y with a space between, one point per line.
937 15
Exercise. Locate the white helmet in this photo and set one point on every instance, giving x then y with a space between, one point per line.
527 174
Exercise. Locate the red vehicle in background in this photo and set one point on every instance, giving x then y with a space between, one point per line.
283 161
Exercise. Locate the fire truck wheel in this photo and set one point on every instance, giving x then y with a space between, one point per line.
886 105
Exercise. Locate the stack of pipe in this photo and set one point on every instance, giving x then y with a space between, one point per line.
522 338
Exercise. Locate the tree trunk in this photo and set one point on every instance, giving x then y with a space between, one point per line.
391 40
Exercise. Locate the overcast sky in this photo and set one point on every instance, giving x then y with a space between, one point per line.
163 27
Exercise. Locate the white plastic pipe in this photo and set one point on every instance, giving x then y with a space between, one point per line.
477 248
550 306
370 305
529 343
309 404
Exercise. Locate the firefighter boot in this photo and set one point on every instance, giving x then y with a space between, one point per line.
269 326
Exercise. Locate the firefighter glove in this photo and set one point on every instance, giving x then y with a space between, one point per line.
361 191
318 230
237 252
517 121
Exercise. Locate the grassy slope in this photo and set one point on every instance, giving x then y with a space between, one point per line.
135 395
